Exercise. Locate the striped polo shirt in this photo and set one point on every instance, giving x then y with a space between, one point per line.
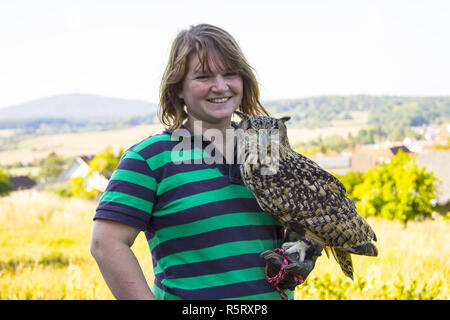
204 228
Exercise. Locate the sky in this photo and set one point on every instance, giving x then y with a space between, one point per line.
298 48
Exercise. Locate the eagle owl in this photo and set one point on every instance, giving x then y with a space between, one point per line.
297 192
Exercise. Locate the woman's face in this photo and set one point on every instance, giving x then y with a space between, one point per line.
211 96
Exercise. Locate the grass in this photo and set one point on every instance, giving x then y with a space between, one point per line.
44 249
413 263
44 254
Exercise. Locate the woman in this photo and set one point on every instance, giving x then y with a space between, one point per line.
204 228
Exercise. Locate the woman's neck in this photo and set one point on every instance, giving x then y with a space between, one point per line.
220 134
204 127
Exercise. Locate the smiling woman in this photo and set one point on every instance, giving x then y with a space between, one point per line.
205 229
206 54
210 96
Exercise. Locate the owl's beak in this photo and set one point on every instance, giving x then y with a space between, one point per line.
263 141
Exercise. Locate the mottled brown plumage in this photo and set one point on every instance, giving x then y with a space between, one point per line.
301 195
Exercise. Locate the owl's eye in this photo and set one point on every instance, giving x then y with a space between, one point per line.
274 131
251 131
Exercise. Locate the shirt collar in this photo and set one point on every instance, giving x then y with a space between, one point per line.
183 131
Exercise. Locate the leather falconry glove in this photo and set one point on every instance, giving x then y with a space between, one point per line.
274 262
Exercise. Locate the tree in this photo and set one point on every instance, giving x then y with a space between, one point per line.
397 190
105 162
52 166
79 188
5 184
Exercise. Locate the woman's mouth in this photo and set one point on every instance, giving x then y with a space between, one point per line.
219 100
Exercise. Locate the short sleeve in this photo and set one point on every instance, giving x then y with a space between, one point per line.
130 194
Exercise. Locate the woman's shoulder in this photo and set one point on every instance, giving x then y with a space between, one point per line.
154 144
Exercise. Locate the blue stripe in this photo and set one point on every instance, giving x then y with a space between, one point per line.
242 261
171 169
124 214
190 189
213 238
135 165
156 148
224 292
204 211
131 189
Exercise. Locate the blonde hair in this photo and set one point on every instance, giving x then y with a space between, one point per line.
201 39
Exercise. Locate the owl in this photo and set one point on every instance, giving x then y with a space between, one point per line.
298 193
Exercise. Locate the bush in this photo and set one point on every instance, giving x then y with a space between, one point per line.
78 188
5 183
397 190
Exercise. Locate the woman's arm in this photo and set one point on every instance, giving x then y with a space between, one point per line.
111 247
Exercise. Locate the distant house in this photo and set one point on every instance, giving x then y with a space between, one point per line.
80 168
339 164
417 145
369 156
361 159
442 136
362 162
22 182
438 161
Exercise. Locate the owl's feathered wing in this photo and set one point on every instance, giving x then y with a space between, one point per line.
308 199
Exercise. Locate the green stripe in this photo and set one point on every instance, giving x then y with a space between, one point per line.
186 156
162 295
211 224
180 179
217 279
130 154
216 252
274 295
135 177
151 140
126 199
230 192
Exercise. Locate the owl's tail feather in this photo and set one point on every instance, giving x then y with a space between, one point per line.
365 249
345 261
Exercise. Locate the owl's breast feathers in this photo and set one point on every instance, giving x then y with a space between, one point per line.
300 193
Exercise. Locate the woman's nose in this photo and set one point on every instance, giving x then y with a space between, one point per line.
220 83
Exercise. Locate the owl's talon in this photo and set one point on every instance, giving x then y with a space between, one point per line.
295 248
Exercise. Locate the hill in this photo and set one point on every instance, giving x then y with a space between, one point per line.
317 112
77 107
366 118
388 117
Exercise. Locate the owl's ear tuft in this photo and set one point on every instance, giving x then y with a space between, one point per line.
243 116
284 119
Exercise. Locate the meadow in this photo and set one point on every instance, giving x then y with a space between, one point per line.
44 254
